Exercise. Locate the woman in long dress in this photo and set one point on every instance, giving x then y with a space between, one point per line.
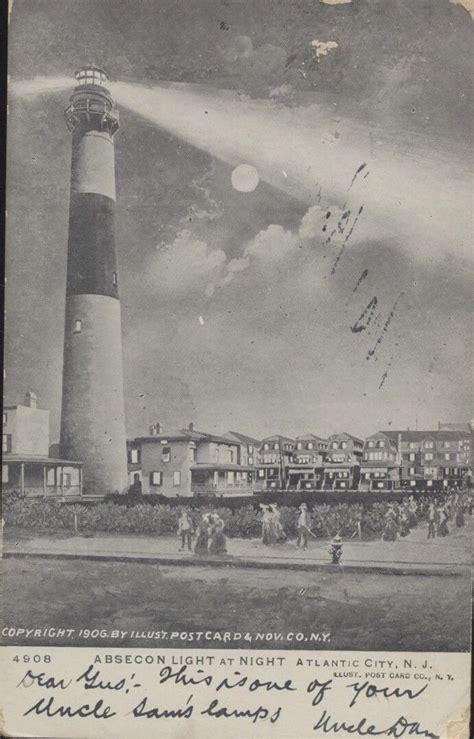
266 524
277 532
217 540
443 525
460 515
391 528
202 535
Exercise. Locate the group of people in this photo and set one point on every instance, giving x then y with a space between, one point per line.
392 521
438 511
209 533
272 530
453 509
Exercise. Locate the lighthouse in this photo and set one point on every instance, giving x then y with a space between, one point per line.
93 415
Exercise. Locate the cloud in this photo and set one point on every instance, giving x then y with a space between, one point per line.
185 263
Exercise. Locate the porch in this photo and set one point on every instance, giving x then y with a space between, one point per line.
41 476
223 479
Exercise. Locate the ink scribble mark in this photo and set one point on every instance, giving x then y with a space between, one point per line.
358 171
366 316
366 174
360 280
371 352
358 284
224 26
385 375
343 247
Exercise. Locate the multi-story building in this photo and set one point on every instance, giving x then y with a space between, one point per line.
342 462
248 448
306 472
380 464
26 464
276 454
187 462
433 459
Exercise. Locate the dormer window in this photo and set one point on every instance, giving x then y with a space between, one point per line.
77 326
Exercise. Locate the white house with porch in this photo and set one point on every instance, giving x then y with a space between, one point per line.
26 464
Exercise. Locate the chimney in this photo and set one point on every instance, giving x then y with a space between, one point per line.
152 430
159 428
31 399
191 426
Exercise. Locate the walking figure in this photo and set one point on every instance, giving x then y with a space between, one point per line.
185 530
431 521
304 524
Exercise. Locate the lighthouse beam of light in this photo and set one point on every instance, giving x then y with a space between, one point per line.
421 203
38 86
416 199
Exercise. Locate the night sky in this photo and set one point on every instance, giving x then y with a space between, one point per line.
237 312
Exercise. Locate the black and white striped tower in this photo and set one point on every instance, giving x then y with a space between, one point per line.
93 416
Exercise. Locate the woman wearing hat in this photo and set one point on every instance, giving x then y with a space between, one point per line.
304 527
202 535
217 541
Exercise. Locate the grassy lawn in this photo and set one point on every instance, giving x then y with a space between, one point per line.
361 611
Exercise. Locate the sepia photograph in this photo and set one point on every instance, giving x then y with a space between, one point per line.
238 319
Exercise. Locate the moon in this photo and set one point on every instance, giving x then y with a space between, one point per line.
245 178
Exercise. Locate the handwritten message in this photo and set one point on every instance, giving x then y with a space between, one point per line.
87 692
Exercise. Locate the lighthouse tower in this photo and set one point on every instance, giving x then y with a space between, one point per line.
93 416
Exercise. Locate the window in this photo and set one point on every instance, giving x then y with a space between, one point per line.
334 445
77 326
276 446
6 443
4 473
411 457
51 477
381 443
250 460
67 480
156 478
412 445
344 445
447 457
5 418
261 473
411 471
250 449
230 477
266 446
299 445
216 454
429 456
176 479
114 279
192 453
134 456
446 444
310 445
371 444
166 454
428 445
231 456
